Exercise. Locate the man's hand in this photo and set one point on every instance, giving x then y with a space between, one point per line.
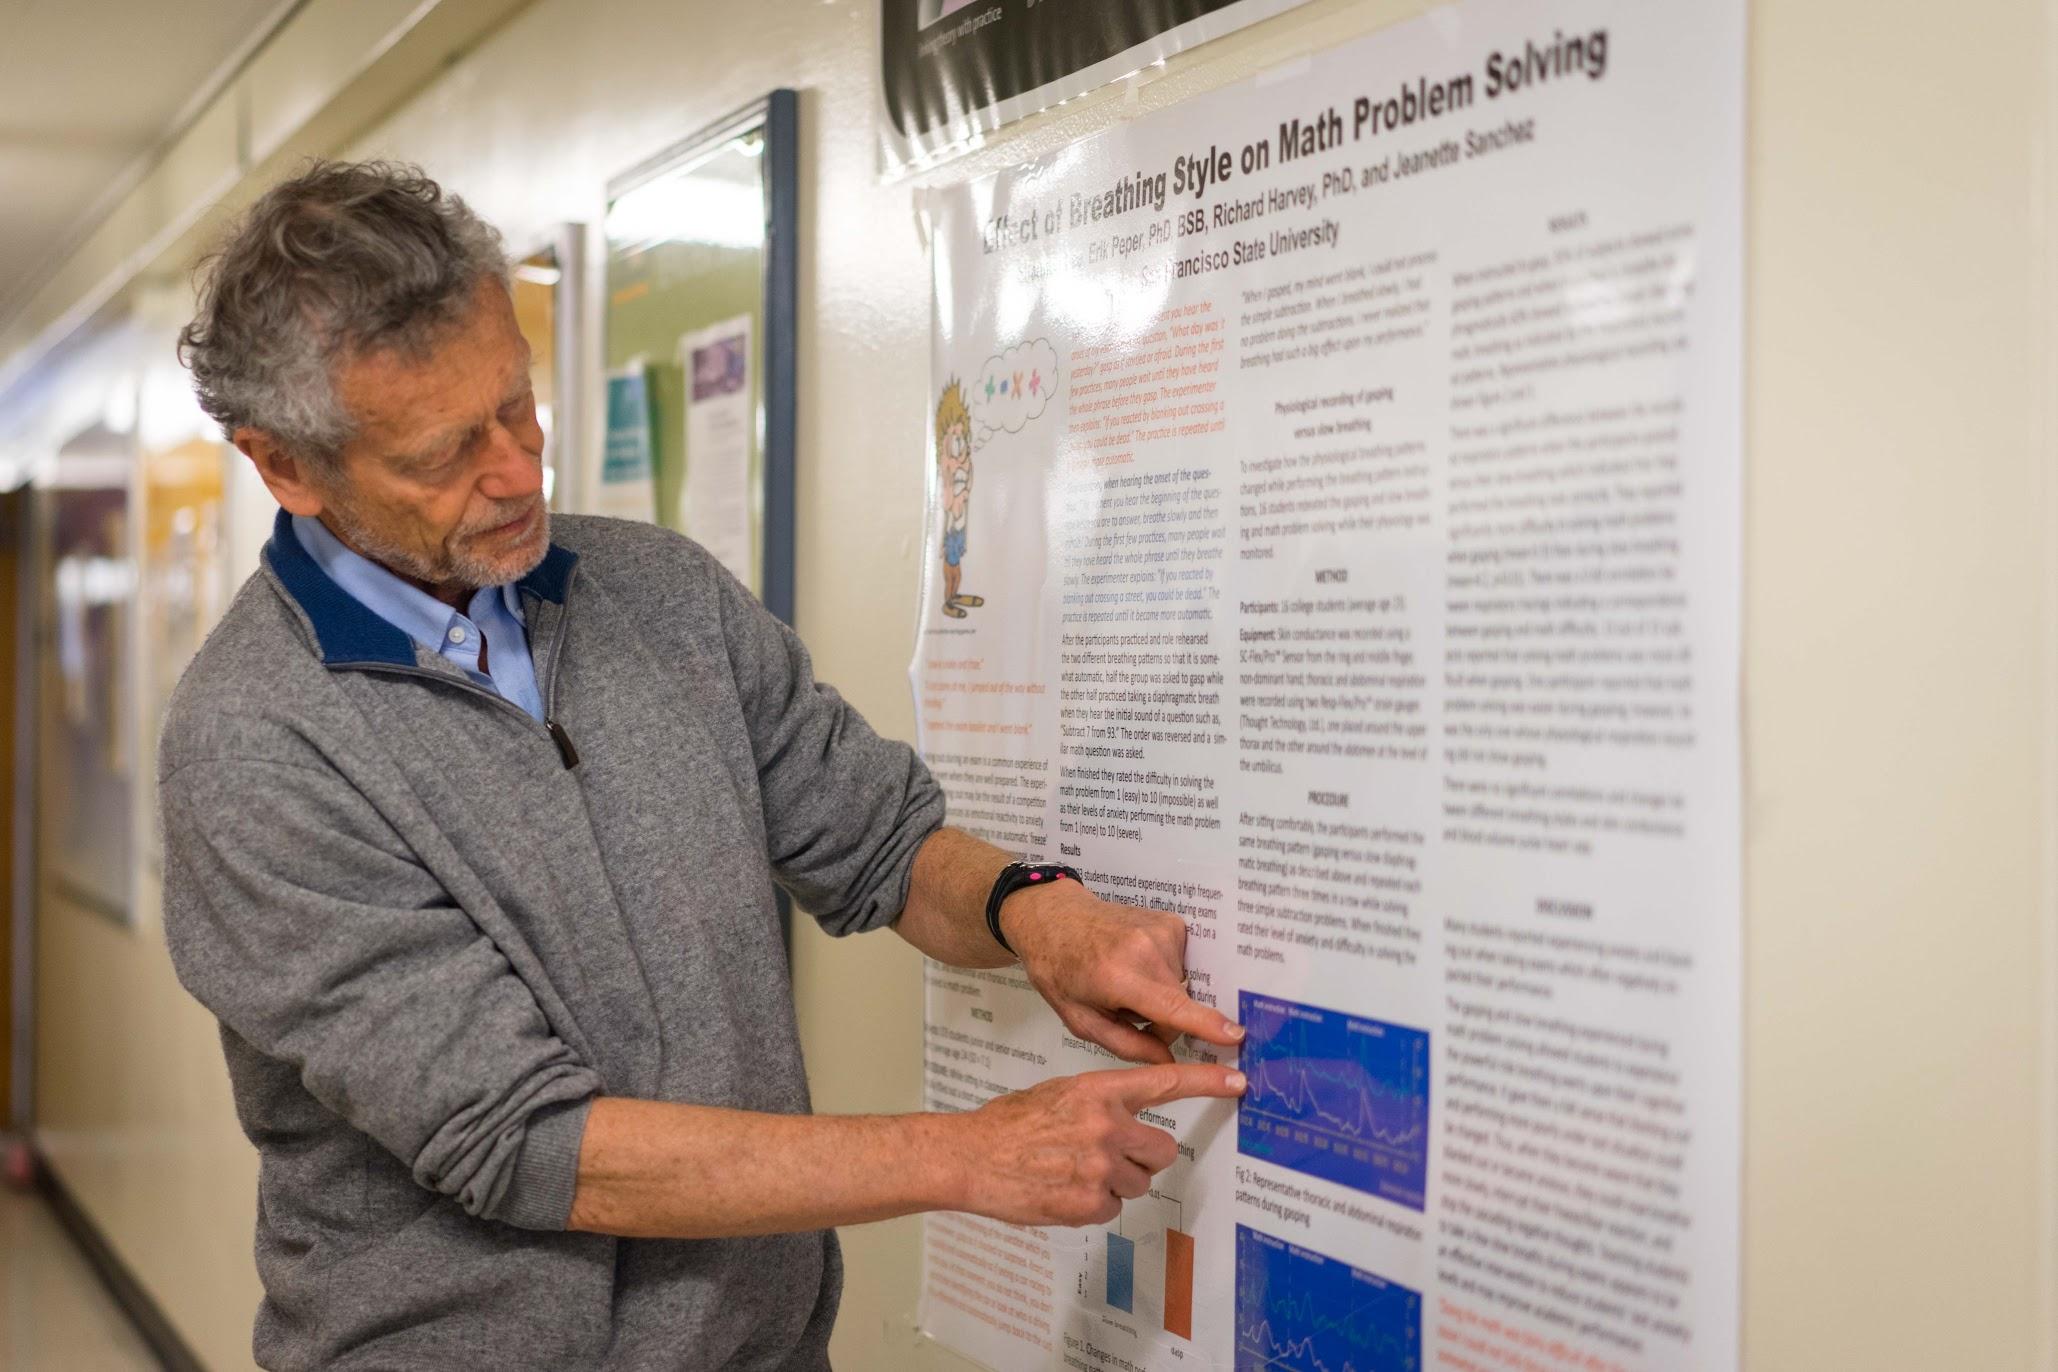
1071 1150
1066 1152
1105 968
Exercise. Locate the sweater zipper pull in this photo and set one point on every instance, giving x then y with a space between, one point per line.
563 741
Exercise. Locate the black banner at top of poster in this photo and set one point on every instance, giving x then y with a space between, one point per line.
947 62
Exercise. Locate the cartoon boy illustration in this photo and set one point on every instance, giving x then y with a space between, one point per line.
954 466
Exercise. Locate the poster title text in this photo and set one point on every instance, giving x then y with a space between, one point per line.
1502 74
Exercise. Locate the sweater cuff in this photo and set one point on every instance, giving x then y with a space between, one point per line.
546 1172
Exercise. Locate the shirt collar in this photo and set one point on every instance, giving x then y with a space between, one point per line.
338 590
407 608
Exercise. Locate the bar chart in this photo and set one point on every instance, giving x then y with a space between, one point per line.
1147 1273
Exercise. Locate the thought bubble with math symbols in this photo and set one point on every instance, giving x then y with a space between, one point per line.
1013 388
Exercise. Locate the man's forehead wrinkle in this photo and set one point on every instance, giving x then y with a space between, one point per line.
396 411
408 401
420 424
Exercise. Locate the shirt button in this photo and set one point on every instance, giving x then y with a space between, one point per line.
457 633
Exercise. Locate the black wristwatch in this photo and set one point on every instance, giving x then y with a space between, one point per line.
1013 878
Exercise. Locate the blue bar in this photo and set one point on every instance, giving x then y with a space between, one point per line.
1121 1273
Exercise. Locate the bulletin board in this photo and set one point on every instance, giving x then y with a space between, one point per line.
699 343
87 687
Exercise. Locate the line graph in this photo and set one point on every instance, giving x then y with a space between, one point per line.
1298 1311
1337 1097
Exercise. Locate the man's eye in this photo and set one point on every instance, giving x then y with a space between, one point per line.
440 469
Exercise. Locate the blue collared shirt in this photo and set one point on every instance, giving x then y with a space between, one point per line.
495 618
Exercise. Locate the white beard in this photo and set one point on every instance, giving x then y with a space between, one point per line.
458 569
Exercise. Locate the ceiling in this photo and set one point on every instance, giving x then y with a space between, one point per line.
89 91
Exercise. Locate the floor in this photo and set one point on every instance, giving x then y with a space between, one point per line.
55 1316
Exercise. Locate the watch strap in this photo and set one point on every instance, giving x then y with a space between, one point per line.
1014 877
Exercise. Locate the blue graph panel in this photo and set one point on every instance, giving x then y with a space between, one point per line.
1298 1311
1337 1097
1121 1272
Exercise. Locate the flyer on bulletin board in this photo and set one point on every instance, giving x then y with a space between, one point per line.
716 504
1334 537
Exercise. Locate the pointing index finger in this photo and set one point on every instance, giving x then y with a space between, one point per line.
1172 1008
1139 1088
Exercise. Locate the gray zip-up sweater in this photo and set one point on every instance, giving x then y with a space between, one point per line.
434 929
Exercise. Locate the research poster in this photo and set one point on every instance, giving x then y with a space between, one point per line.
953 70
1334 538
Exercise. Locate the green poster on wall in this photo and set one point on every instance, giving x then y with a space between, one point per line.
626 488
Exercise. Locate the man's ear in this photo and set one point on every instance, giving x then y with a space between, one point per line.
283 474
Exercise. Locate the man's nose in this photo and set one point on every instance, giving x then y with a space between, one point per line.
513 471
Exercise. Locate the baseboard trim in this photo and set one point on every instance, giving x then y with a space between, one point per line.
114 1274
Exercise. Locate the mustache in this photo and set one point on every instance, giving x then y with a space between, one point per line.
499 515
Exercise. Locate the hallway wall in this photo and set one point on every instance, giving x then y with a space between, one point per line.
1902 554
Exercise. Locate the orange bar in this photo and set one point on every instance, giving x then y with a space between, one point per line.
1179 1283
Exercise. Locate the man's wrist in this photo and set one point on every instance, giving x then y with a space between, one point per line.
1013 916
1025 911
945 1170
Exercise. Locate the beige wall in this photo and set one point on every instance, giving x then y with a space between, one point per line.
1899 666
133 1113
1899 691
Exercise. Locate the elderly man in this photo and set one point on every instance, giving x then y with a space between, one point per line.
472 823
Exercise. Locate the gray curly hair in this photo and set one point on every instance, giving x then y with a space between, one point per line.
345 259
